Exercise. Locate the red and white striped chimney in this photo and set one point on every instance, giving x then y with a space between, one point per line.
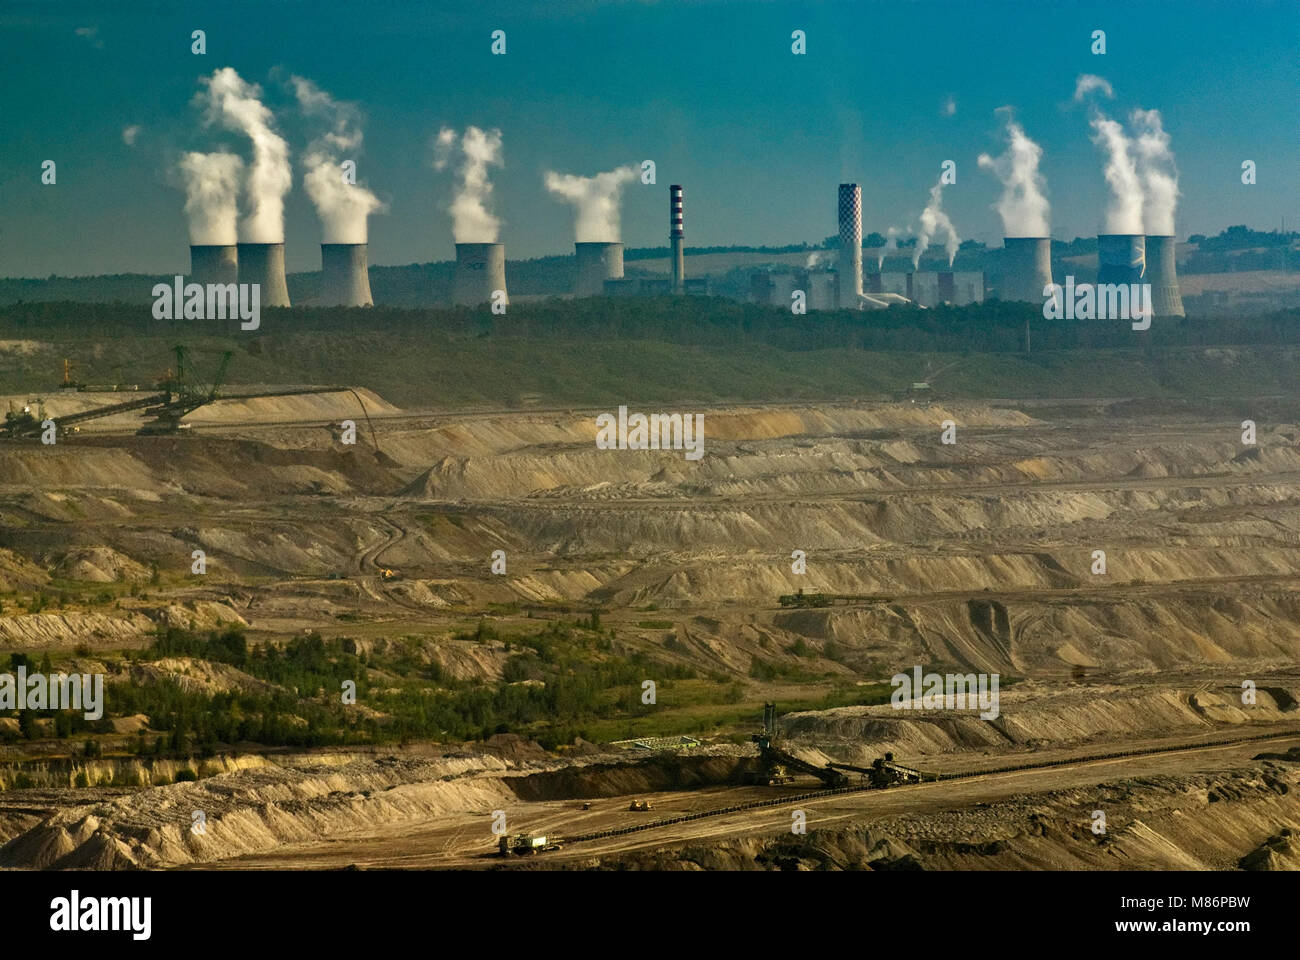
676 237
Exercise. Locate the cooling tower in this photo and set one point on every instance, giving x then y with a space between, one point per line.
850 212
597 262
214 263
263 263
1026 268
677 237
1121 258
480 269
345 278
1162 274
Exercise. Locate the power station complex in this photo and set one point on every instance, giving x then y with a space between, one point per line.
479 275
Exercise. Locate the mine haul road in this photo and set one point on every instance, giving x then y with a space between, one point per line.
464 841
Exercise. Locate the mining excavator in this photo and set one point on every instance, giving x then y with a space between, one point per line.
883 772
175 395
776 764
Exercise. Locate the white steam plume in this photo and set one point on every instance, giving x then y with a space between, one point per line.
342 206
1158 172
933 222
1124 212
596 201
211 183
237 106
891 243
1089 82
470 220
1023 205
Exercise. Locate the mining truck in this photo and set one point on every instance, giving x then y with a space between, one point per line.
526 844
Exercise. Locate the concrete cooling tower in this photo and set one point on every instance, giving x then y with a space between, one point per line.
214 263
1026 268
345 276
850 219
597 262
1162 274
1121 258
263 263
480 269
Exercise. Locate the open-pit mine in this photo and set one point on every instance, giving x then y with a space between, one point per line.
479 640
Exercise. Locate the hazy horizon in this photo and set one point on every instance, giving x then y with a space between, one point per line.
710 91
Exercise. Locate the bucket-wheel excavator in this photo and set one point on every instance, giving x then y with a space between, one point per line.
775 764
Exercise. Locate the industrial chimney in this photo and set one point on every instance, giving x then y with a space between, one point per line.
1121 258
1162 274
677 237
597 262
1026 268
214 263
850 244
480 270
263 263
345 277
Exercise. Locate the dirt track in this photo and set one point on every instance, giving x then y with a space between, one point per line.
468 842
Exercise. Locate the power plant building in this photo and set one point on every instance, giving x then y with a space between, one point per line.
927 288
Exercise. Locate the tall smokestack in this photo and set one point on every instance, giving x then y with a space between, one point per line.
1162 274
850 208
480 269
345 277
597 262
1026 268
263 263
677 237
214 263
1121 258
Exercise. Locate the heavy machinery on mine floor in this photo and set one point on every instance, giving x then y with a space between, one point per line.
801 600
775 764
175 394
527 844
883 772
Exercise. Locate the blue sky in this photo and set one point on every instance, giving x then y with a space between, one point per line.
709 90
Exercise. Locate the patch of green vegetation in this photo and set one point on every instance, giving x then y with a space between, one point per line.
560 679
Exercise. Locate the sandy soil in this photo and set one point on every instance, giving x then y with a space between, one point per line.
977 557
